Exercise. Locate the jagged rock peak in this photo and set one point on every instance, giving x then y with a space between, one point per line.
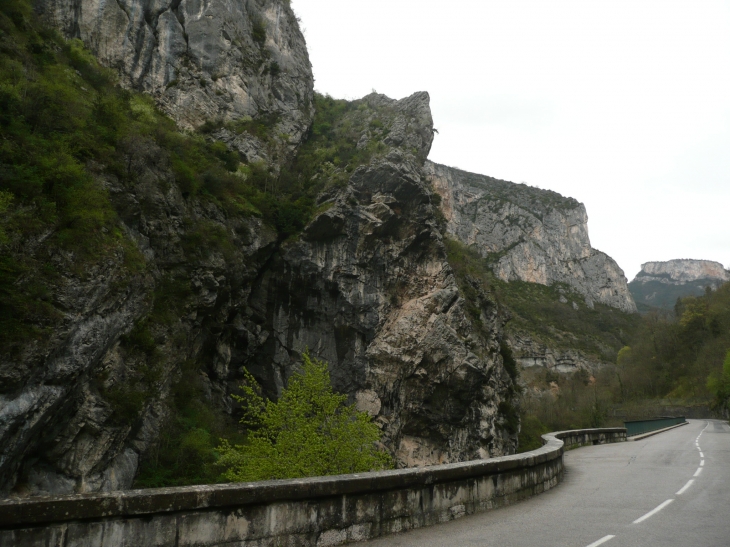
528 234
681 271
203 60
368 288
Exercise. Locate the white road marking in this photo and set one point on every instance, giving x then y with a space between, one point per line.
702 455
702 463
697 473
601 541
684 488
652 512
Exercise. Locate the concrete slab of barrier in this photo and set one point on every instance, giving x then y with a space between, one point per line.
313 512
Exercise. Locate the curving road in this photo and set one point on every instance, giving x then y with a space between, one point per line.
669 489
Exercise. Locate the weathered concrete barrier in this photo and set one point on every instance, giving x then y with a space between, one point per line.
318 511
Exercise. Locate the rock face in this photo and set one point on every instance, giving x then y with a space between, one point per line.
532 353
204 61
528 234
365 286
683 271
659 284
78 409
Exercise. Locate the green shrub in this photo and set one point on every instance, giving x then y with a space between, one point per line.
531 432
258 30
308 432
508 359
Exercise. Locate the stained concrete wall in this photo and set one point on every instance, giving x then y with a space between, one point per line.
319 511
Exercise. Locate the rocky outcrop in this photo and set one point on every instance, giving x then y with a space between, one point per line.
365 286
683 271
79 408
659 284
529 353
528 234
203 61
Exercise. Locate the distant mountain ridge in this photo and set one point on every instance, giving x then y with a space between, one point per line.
659 284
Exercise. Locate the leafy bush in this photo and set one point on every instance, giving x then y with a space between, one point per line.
258 30
675 357
531 432
719 385
308 432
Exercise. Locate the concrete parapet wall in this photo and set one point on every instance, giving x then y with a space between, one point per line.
319 511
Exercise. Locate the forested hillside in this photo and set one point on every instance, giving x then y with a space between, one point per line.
681 358
673 363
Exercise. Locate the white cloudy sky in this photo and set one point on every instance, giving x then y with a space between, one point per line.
624 105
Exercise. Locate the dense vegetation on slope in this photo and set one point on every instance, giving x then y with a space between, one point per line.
655 296
681 357
661 359
537 309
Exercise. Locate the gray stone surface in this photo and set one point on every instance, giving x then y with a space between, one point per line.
660 284
204 60
529 234
682 271
530 353
375 297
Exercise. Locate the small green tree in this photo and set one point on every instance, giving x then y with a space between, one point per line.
6 198
308 432
719 384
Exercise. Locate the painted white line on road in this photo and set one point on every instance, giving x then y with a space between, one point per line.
702 463
601 541
697 473
652 512
684 488
702 455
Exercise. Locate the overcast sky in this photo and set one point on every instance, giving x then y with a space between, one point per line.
623 105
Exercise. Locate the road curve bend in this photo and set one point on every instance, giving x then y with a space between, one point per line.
669 489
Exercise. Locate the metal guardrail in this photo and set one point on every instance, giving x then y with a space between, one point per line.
637 427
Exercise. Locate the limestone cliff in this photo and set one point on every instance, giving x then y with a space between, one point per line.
659 284
528 234
198 291
204 61
368 287
530 353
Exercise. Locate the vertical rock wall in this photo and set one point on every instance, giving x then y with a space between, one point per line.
659 284
528 234
204 61
367 287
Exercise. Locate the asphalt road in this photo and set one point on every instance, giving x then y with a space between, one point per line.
632 494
